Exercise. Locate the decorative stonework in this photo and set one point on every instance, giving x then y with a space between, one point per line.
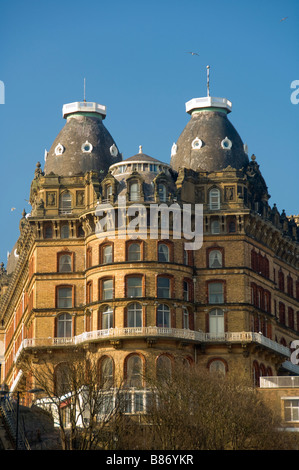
59 149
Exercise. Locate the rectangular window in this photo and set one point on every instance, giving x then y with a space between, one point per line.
164 287
107 289
134 286
291 410
107 254
216 293
65 297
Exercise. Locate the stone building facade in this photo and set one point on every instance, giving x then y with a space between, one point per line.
140 302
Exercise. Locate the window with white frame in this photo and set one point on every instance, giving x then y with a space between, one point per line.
216 322
214 199
134 315
107 318
107 289
163 316
134 191
107 254
291 409
64 325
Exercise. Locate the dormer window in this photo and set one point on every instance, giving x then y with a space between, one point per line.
87 147
196 144
162 192
226 144
134 191
59 149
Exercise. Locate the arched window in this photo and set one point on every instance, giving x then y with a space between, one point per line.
62 378
216 323
107 318
64 325
163 367
185 318
134 252
134 315
215 259
65 231
65 263
108 191
163 316
217 366
162 192
214 199
134 370
65 203
106 372
163 253
134 191
215 227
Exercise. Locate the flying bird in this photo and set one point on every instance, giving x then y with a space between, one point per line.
193 53
13 209
282 19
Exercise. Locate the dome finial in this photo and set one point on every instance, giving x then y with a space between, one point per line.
140 148
208 80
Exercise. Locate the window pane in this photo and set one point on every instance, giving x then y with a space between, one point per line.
216 322
214 199
107 318
65 263
215 259
134 371
216 293
215 227
135 315
65 231
65 297
65 202
163 316
107 373
64 326
134 192
163 287
107 254
107 289
134 287
185 318
134 252
163 253
162 192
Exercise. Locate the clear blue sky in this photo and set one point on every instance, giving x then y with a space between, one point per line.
133 55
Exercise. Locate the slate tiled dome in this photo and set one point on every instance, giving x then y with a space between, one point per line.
209 141
83 144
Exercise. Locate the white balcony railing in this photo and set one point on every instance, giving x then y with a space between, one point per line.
279 382
155 332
